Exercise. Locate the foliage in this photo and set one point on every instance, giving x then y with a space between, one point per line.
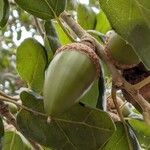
30 34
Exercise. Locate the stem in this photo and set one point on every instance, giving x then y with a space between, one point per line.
114 97
123 105
78 30
4 111
65 30
7 96
23 107
38 26
141 84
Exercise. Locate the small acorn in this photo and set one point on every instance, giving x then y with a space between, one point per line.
12 107
70 73
122 54
125 108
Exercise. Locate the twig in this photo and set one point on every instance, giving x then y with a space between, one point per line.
38 26
24 107
65 30
78 30
4 111
114 97
7 96
141 84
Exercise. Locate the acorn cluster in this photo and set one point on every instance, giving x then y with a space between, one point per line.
75 67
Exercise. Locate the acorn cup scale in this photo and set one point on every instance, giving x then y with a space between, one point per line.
70 73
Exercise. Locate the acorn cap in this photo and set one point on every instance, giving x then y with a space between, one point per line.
85 50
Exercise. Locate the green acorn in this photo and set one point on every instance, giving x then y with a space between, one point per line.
70 73
122 54
12 107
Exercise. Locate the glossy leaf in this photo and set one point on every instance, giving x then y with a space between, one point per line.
142 131
31 63
144 141
140 126
32 100
4 12
1 132
13 140
91 95
86 16
131 19
102 24
69 129
133 138
52 36
64 39
119 140
44 9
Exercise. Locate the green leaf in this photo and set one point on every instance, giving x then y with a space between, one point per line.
64 39
140 126
142 131
86 17
102 24
131 19
1 132
44 9
14 140
32 100
119 140
31 63
51 36
91 96
4 12
144 141
79 128
101 100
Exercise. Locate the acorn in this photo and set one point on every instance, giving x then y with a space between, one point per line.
70 73
121 53
12 107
